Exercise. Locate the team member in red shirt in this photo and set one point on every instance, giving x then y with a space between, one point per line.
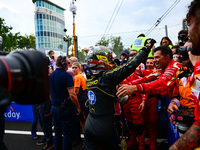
166 81
134 114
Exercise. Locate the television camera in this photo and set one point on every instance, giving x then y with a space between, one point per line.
23 78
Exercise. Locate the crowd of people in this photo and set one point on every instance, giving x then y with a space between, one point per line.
128 89
111 95
65 111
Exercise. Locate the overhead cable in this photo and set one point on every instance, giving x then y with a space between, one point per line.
111 19
162 17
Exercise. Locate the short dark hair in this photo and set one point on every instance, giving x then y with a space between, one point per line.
60 60
183 32
150 57
165 50
141 35
50 52
194 10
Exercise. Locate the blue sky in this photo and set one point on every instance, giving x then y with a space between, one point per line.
93 16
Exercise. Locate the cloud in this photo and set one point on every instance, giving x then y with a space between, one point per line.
93 16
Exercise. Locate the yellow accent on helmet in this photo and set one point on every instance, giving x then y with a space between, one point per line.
100 57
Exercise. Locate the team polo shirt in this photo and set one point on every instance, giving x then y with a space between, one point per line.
60 81
80 81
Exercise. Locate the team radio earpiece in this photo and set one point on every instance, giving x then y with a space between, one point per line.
63 62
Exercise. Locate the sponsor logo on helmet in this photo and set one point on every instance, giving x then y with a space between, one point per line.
100 57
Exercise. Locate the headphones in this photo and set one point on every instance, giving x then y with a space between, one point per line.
63 62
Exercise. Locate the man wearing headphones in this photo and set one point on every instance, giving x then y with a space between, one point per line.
63 98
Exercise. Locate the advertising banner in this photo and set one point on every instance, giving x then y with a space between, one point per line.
17 112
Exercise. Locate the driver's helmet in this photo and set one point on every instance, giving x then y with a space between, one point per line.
99 59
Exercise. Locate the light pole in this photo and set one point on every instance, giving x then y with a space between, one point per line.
66 39
1 41
73 9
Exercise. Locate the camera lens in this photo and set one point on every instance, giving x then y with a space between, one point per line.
24 74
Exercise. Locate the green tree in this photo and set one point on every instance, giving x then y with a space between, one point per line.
82 56
116 45
9 39
26 42
103 42
13 41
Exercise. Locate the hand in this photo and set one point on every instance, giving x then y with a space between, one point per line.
141 106
78 110
172 106
149 43
126 90
172 121
138 72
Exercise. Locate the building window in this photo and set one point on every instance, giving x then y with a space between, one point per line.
41 28
41 33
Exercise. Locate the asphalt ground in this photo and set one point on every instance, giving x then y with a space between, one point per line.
18 137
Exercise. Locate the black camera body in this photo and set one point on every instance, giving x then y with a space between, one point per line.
24 78
183 38
183 50
183 115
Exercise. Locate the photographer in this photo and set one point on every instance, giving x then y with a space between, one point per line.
182 91
52 59
63 100
191 139
182 37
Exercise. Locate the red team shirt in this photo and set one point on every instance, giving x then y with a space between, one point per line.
195 94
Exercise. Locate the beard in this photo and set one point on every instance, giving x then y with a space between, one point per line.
195 38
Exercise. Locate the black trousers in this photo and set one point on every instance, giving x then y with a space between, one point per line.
2 128
45 119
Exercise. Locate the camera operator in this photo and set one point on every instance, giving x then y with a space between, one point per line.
63 100
191 139
52 59
182 37
182 91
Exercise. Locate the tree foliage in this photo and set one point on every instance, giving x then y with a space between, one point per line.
82 56
116 46
103 42
12 41
114 43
